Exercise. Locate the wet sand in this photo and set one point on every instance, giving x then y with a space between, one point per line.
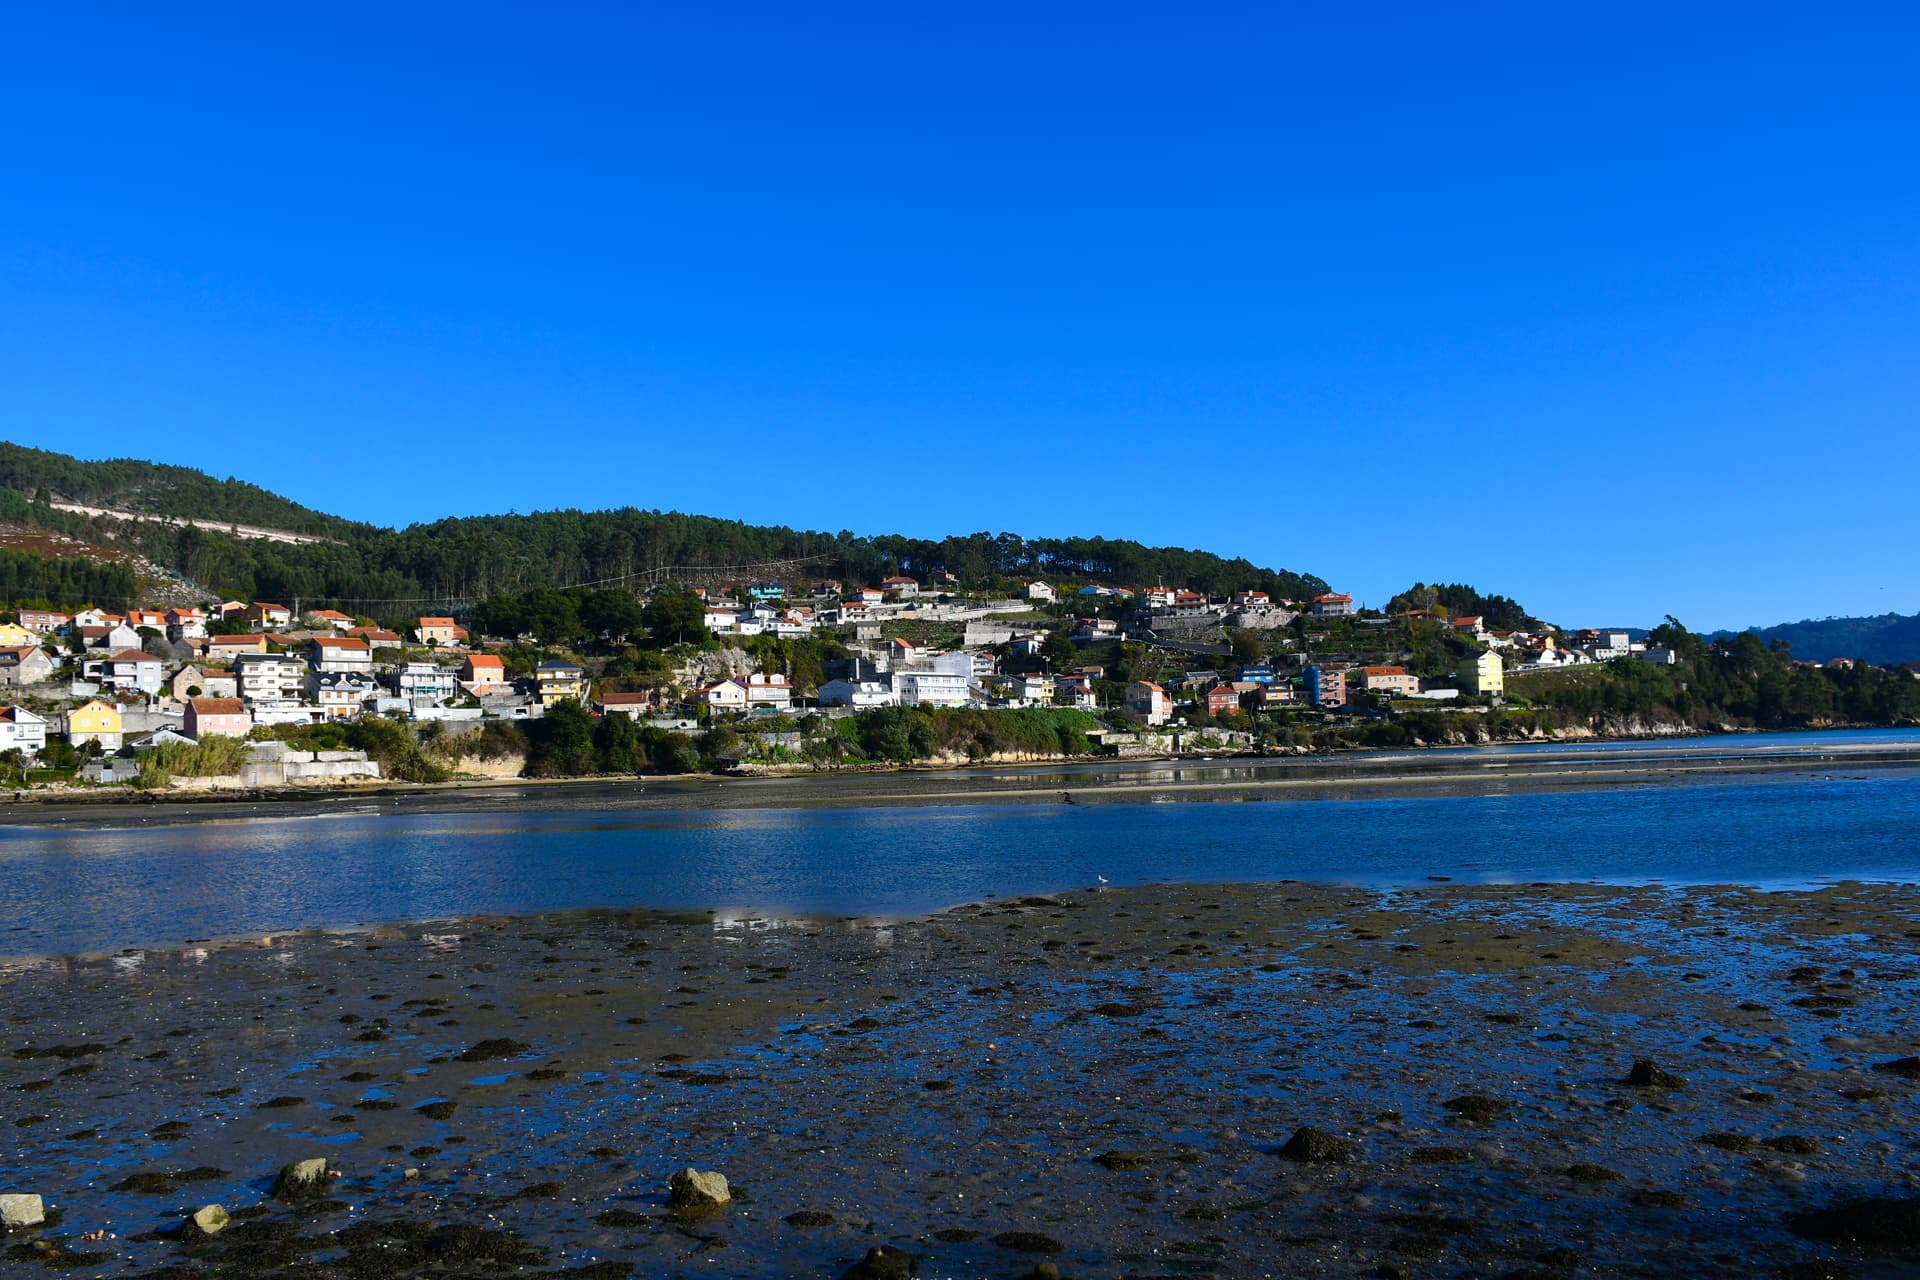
1111 1081
1337 777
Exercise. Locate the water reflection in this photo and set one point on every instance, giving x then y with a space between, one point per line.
759 868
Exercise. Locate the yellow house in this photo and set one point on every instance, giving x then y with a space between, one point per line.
13 635
559 681
1484 673
97 721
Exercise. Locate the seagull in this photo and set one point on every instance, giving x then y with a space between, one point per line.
1102 879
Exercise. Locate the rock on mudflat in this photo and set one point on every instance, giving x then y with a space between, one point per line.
693 1189
1908 1067
1648 1074
1314 1146
1887 1226
21 1210
302 1178
208 1220
883 1262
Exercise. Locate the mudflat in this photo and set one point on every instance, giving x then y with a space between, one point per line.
1258 1080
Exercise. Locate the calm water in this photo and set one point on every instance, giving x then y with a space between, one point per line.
63 891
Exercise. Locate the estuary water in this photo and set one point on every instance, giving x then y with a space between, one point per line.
338 866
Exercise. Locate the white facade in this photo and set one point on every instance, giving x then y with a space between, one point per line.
933 688
858 693
268 677
21 730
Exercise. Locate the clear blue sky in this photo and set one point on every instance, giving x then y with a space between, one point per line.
1614 309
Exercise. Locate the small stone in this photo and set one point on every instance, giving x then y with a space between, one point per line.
1648 1074
302 1178
692 1189
208 1220
1123 1161
19 1209
411 1174
1314 1146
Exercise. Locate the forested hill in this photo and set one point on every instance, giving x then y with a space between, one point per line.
473 558
1887 640
153 488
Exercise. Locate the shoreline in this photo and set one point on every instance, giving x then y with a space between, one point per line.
1115 1079
1343 775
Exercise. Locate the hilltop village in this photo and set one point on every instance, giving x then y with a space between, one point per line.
761 674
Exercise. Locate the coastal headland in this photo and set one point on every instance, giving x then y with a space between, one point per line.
1259 1080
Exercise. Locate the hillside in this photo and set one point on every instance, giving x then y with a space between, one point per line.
1886 640
465 560
157 489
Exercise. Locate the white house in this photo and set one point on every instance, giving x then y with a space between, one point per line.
901 586
185 624
342 695
933 688
859 693
725 695
348 655
132 669
1334 604
769 691
1038 591
1077 694
268 677
1149 701
21 730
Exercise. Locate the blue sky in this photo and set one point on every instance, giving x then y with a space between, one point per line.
1611 309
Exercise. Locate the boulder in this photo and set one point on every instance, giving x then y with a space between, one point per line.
302 1178
208 1220
883 1262
692 1189
1648 1074
21 1210
1314 1146
1888 1226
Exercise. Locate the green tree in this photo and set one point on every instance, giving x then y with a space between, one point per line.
676 616
560 743
1058 650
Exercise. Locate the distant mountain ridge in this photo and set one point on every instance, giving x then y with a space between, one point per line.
1889 639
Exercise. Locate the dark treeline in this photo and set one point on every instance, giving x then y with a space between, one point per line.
27 579
1459 600
475 558
1737 680
158 489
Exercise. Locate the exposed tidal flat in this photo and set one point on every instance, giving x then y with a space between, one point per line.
1656 1027
1278 1079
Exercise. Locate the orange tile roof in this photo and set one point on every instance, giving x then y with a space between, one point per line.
218 706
